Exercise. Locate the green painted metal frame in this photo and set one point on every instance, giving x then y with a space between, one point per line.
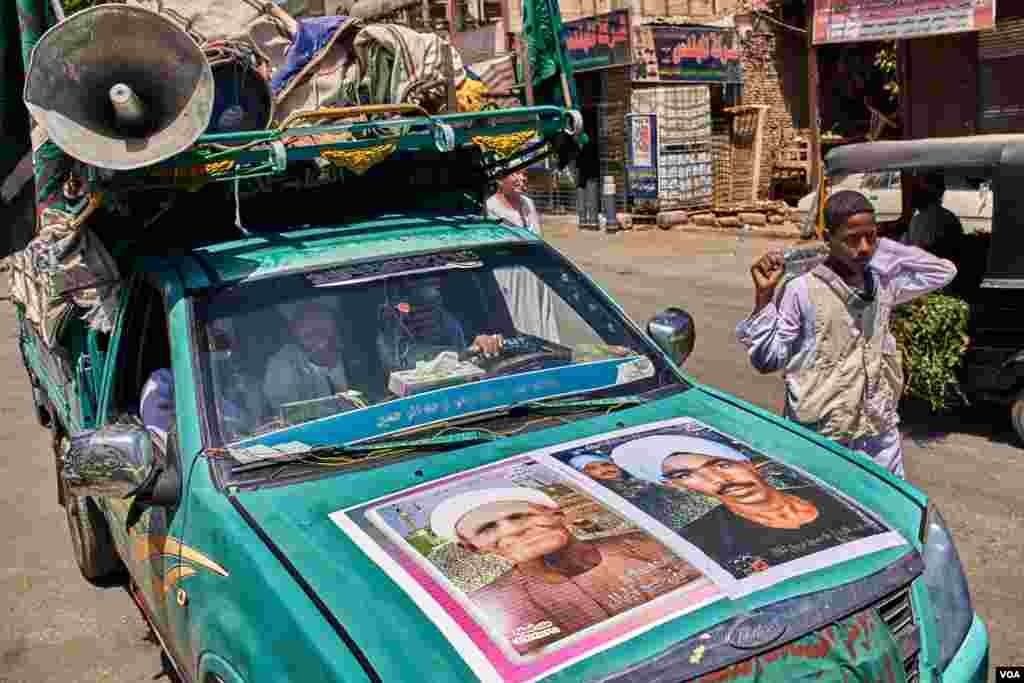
256 151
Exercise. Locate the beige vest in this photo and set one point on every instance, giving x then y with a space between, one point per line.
855 359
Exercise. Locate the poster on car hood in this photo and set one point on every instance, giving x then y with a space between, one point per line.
537 561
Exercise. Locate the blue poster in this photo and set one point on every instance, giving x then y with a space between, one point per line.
642 168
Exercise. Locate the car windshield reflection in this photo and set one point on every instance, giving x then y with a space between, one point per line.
297 348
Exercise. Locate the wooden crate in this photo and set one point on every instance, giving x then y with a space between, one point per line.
794 157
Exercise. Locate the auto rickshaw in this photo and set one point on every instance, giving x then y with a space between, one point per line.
990 262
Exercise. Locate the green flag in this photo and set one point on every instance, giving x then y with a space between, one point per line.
542 30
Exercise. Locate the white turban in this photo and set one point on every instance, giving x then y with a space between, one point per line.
291 309
581 461
644 457
448 513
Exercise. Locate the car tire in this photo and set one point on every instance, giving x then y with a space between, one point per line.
91 540
1017 414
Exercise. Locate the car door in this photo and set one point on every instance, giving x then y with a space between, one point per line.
144 533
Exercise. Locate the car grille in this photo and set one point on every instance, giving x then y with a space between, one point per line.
897 612
884 595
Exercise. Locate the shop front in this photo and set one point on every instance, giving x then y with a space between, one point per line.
599 50
647 92
680 76
957 63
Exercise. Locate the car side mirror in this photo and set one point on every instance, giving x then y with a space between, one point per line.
674 333
114 461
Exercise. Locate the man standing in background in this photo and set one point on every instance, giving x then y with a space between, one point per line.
529 300
933 228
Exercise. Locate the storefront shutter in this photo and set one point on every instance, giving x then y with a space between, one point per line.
1007 40
1000 63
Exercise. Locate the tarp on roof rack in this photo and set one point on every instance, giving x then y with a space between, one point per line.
65 269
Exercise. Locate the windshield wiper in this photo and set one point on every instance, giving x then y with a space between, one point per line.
543 407
362 450
325 455
568 405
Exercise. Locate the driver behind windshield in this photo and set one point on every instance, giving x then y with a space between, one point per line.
416 326
311 365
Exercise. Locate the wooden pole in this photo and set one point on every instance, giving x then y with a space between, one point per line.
813 95
906 133
506 20
449 79
903 71
524 61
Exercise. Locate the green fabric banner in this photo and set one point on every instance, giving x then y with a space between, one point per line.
542 30
14 119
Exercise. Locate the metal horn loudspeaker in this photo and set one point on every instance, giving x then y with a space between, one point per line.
244 99
119 87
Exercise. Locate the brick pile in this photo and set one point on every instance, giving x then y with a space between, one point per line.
763 54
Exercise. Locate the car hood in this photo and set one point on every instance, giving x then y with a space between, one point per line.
406 624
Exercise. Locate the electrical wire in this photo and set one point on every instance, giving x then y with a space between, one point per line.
762 15
347 460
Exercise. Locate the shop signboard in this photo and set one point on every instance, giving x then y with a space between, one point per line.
702 54
642 170
844 21
598 42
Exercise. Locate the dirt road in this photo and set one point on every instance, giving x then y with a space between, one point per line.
55 626
58 628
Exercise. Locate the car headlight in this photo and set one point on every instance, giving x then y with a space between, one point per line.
947 587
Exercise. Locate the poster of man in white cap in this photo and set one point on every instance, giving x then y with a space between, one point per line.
671 507
746 512
546 569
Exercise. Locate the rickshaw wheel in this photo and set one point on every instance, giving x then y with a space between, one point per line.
1017 414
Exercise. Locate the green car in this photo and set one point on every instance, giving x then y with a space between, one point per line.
570 507
330 422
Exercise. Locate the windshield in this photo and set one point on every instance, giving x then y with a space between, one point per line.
392 344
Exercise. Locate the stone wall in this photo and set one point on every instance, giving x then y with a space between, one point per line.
775 73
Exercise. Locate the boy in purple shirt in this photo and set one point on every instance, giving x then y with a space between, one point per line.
829 329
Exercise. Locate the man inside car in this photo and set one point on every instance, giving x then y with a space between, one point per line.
417 326
311 366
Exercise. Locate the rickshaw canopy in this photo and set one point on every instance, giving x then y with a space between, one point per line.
1000 157
975 151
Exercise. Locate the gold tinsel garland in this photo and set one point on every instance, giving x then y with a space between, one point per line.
359 161
504 145
470 95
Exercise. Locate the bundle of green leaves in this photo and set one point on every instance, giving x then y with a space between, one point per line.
931 333
72 6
